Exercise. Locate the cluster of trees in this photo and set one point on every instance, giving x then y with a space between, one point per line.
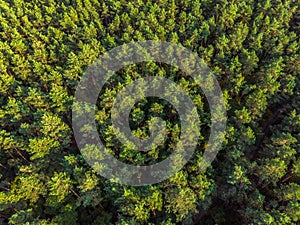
251 46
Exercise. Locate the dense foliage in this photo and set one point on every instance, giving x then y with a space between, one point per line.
253 49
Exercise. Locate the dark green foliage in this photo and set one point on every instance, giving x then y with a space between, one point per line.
251 46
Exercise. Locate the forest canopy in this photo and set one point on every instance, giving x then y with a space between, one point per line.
251 46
